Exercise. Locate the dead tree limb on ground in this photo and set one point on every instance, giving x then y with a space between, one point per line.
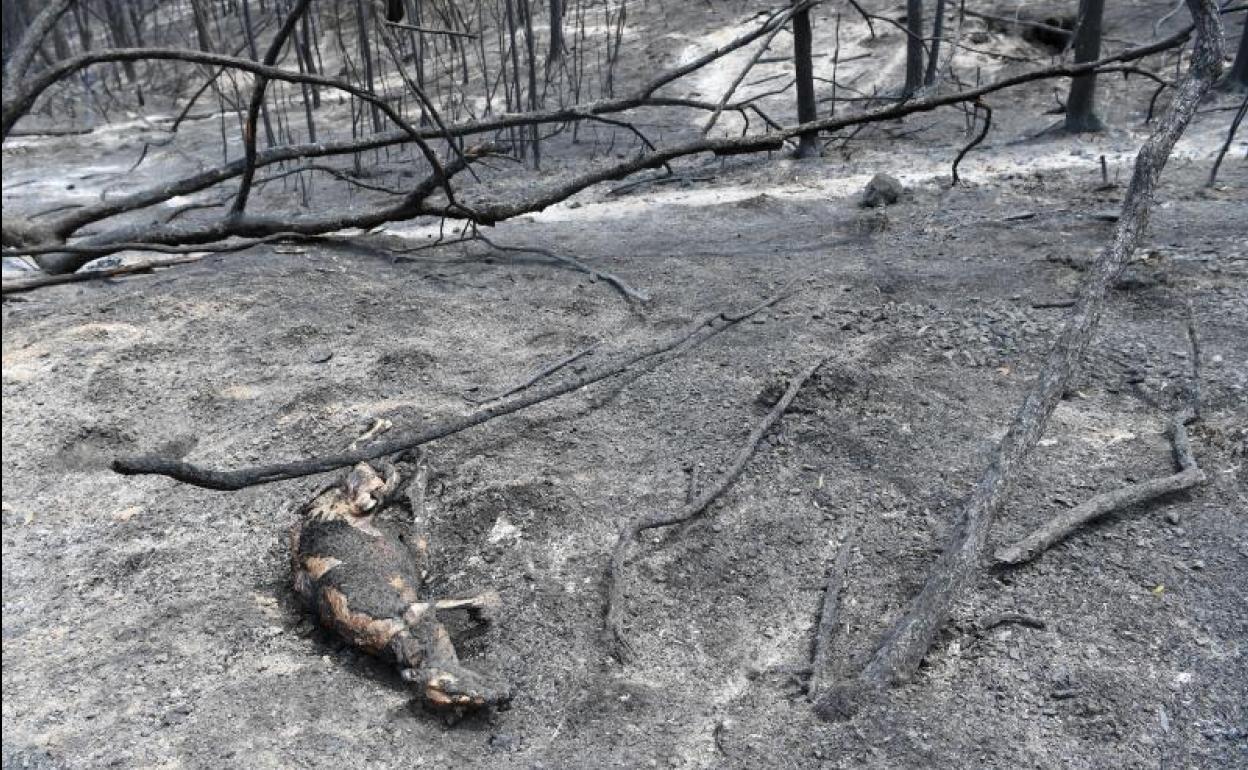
628 291
189 473
1189 475
27 284
542 373
829 619
615 609
1065 523
908 640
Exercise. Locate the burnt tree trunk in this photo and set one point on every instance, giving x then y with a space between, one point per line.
938 29
808 143
555 53
363 13
1237 77
526 9
1081 105
119 28
914 48
200 19
255 54
15 22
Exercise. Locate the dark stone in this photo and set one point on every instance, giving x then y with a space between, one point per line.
882 190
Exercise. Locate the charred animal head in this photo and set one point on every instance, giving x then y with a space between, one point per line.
449 686
358 495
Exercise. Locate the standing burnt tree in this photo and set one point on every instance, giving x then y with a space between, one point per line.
803 65
1081 105
914 48
933 57
555 51
1237 76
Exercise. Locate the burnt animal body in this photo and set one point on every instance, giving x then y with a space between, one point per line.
361 576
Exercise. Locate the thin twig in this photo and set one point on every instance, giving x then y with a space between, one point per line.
545 371
986 624
431 30
974 142
615 609
616 281
1193 345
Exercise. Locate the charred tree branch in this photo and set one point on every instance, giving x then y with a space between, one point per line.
615 609
242 478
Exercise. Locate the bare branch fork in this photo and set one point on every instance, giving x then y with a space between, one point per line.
1064 524
1189 475
628 291
699 331
908 640
615 609
257 101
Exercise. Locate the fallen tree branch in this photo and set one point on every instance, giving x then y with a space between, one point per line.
430 30
27 284
95 252
488 214
1065 523
615 609
829 619
628 291
542 373
907 641
732 87
190 473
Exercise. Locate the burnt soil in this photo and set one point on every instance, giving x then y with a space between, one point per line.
149 623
